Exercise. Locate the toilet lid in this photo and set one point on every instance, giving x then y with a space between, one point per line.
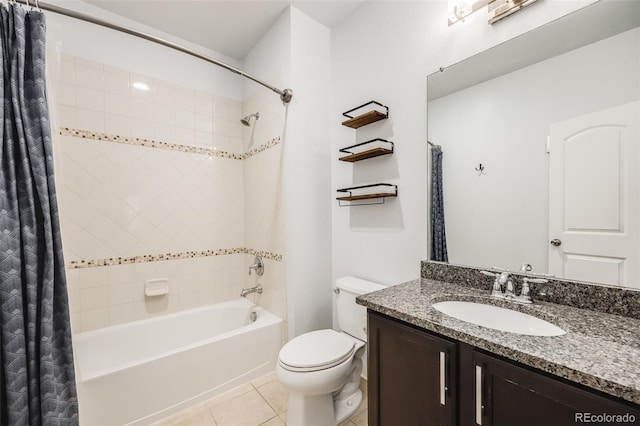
316 350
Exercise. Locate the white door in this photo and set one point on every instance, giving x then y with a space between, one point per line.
594 191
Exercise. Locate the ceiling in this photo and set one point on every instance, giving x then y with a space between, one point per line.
231 27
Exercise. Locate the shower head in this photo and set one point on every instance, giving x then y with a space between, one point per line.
247 120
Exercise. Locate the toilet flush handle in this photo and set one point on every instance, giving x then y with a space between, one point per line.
336 290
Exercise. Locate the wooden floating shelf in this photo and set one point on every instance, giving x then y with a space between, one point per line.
367 196
370 153
370 196
364 119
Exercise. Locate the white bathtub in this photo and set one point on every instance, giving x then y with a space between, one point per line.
140 372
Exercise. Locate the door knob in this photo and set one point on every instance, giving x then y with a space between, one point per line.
555 242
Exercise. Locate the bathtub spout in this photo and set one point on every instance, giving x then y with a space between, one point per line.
246 291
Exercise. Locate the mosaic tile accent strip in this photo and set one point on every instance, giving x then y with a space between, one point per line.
263 147
149 143
612 300
78 264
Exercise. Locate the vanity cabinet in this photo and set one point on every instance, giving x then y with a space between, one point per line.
508 394
410 377
420 378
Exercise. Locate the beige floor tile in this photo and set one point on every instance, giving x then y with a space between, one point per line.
198 415
228 396
360 419
276 421
249 409
264 379
262 402
275 394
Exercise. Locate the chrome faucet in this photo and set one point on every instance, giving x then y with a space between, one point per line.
258 266
501 279
247 291
503 287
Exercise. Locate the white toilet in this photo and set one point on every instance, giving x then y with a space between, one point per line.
321 369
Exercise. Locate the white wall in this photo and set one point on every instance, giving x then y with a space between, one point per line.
295 53
307 177
501 218
268 60
79 38
385 51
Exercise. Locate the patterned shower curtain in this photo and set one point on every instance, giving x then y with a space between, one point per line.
37 383
438 235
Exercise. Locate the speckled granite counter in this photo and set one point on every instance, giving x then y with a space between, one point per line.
600 350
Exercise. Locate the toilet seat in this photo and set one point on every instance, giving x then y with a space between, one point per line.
316 350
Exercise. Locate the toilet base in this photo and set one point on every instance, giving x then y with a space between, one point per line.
310 410
346 407
321 410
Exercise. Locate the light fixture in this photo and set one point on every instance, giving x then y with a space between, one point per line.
458 10
500 9
141 86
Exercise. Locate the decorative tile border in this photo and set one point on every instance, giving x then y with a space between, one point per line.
263 147
150 143
79 264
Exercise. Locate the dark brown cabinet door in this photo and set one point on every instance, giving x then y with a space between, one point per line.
507 395
411 375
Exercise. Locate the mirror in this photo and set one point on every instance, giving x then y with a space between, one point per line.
570 87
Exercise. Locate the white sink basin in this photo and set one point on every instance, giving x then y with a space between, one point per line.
498 318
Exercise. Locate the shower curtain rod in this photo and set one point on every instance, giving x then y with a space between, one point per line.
285 95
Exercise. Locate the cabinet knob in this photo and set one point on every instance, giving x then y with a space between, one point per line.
555 242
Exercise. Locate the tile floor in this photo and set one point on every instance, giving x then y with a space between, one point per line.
263 402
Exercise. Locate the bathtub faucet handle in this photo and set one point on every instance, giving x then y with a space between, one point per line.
258 266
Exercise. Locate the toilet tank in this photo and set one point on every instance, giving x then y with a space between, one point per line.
352 318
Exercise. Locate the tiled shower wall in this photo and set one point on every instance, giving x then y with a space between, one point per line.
262 176
151 185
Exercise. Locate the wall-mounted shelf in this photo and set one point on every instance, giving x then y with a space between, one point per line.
365 118
360 193
373 151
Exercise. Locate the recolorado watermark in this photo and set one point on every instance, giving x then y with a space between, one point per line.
604 418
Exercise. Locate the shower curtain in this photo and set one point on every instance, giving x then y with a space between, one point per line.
37 383
438 235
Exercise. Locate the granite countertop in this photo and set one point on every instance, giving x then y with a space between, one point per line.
599 350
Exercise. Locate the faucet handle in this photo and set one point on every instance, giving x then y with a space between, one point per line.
524 294
535 280
258 265
496 290
509 290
